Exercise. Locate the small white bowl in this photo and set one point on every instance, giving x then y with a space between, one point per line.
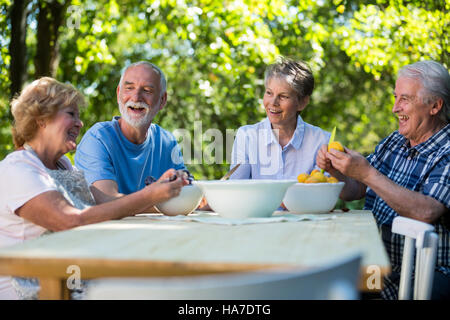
312 197
244 198
186 202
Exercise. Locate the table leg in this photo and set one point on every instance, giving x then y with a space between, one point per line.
53 289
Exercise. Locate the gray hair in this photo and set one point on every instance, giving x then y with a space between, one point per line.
435 80
163 83
296 73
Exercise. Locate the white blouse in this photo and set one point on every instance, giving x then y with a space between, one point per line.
23 177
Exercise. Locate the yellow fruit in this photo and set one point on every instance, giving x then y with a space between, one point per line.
314 171
302 177
336 145
332 180
312 180
319 176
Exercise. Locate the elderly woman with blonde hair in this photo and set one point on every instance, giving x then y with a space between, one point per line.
40 190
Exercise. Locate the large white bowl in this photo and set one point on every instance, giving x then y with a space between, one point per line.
186 202
312 197
244 198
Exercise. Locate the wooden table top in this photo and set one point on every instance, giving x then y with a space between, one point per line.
142 246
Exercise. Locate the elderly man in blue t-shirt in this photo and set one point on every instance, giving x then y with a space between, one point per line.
409 172
118 155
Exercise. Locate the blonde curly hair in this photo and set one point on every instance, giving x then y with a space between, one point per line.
40 101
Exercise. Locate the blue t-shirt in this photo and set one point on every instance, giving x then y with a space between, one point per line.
104 153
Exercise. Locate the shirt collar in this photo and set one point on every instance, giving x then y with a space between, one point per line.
437 140
268 133
299 133
297 137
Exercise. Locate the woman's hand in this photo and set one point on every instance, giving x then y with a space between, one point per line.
168 185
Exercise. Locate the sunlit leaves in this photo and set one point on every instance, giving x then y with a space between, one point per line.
214 54
385 39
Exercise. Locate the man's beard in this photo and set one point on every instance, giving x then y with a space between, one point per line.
136 122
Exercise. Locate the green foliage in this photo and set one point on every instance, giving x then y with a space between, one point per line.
214 55
6 145
383 39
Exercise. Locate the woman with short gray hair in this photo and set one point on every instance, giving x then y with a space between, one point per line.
282 145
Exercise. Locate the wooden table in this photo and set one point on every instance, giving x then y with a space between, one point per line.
141 247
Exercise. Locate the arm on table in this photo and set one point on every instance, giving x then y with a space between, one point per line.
357 171
108 190
53 212
405 202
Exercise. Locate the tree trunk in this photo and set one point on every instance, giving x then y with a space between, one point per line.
17 45
50 18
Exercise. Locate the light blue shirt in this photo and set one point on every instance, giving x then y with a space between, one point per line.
262 157
104 153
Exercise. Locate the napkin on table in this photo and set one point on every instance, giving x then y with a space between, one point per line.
214 218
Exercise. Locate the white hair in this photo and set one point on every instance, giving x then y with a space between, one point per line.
163 83
435 80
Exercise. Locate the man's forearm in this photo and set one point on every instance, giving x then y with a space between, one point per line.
353 190
405 202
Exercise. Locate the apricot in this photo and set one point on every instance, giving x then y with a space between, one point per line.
336 145
319 176
312 180
316 176
302 177
332 180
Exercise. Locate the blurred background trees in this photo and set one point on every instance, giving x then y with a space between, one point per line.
214 53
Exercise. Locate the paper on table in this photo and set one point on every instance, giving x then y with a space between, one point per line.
214 218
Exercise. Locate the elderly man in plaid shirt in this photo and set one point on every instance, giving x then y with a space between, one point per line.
409 172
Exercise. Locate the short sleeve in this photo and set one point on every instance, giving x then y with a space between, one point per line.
176 155
22 181
94 160
437 185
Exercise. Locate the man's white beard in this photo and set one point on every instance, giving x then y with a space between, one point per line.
137 122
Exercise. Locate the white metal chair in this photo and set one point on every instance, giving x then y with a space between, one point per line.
420 235
335 281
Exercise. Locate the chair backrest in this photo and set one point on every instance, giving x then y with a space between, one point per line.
336 281
421 236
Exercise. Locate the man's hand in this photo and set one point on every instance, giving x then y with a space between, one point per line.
323 162
346 166
350 163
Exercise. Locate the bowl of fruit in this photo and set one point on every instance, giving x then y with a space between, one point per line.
314 193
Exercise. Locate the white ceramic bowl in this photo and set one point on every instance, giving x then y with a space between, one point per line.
186 202
244 198
312 197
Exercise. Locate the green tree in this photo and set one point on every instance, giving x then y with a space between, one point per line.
214 54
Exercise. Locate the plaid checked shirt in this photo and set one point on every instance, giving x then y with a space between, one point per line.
424 168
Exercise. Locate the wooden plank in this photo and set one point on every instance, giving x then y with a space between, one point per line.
53 289
94 268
